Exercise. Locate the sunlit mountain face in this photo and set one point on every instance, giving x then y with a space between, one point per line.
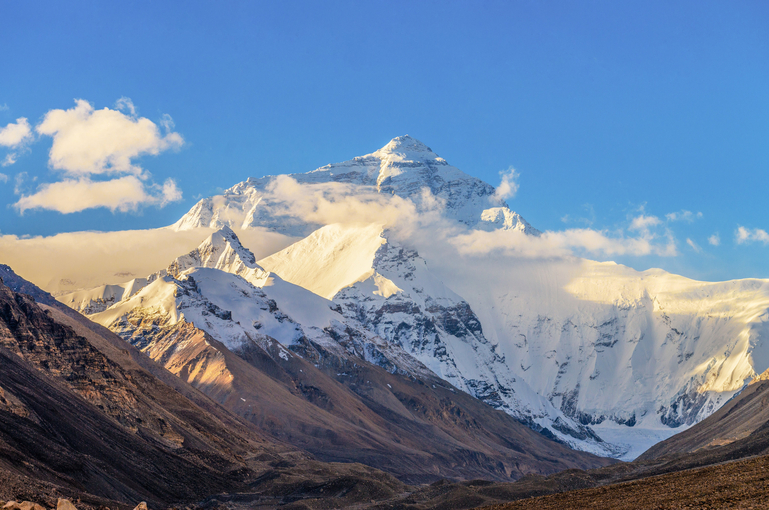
404 261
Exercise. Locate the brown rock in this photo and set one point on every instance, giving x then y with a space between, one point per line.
141 506
65 504
29 505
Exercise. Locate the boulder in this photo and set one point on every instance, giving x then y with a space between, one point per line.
65 504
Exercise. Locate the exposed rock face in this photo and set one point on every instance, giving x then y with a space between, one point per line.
78 410
26 331
740 425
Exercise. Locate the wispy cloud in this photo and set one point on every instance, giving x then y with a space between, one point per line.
126 105
509 185
18 182
644 223
683 215
563 243
90 144
585 220
3 178
3 107
715 239
694 246
745 235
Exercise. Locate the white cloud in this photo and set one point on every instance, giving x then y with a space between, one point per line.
3 178
88 141
508 187
125 104
3 107
89 145
563 243
422 223
643 223
16 136
715 239
683 215
170 192
744 235
121 194
327 203
694 246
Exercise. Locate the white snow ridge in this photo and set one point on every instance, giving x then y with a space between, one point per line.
596 355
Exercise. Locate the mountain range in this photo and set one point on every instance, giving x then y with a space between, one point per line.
405 263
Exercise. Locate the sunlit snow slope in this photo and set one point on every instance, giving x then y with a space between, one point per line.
634 355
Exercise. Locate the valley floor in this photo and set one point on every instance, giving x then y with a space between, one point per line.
740 484
737 484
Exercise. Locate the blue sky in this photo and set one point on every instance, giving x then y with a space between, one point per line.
607 110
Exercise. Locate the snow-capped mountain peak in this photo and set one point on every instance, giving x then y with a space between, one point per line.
502 218
405 144
406 148
404 167
221 250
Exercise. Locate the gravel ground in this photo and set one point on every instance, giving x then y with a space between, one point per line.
741 484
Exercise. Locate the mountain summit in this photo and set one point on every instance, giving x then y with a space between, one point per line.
404 167
406 144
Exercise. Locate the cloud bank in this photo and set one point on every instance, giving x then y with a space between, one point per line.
420 222
68 261
90 145
564 243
